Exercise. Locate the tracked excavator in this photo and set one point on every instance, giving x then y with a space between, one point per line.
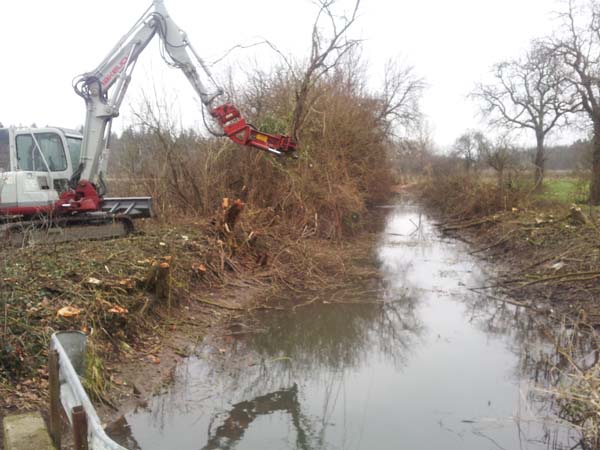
52 187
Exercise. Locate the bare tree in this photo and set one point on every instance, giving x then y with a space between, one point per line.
500 156
402 91
327 49
529 93
578 46
471 146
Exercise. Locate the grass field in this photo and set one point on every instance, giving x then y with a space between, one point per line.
565 188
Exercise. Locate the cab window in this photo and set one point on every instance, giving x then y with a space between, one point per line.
4 151
50 144
74 151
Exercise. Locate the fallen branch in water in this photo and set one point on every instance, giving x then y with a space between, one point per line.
239 308
310 302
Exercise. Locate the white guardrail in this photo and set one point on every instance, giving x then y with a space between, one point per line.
68 352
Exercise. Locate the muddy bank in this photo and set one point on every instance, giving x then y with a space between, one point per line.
547 257
218 273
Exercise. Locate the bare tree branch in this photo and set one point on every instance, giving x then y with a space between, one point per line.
254 44
402 91
326 52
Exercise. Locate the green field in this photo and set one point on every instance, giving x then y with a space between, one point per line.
565 189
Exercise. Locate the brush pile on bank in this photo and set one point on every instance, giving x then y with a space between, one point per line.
113 290
458 195
548 253
343 160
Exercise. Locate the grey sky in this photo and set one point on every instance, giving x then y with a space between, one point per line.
451 43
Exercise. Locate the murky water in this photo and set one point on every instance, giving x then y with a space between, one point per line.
421 362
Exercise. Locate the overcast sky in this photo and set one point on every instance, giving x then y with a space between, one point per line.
453 44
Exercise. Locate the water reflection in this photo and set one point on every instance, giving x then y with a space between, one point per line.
419 361
260 374
242 414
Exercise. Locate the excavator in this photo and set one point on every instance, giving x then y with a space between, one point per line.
52 186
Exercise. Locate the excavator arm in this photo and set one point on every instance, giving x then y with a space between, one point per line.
104 90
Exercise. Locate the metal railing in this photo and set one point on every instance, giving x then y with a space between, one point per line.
67 369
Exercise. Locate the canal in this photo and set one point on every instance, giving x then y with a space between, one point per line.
418 360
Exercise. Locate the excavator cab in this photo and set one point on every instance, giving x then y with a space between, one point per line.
37 203
35 167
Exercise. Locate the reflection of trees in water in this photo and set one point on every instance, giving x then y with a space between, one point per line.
338 336
264 372
239 417
317 343
545 345
553 353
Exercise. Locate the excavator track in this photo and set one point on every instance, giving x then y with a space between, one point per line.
48 230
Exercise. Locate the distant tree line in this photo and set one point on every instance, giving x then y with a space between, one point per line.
575 156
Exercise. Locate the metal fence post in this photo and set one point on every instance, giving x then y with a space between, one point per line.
54 398
80 428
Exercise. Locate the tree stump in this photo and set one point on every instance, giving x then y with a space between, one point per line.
163 281
231 213
158 279
576 216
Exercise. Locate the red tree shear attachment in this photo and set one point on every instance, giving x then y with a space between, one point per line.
241 132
